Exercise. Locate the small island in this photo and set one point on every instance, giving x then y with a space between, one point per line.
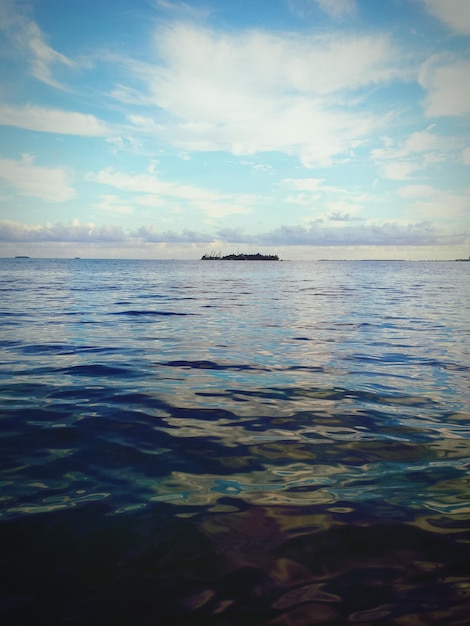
240 257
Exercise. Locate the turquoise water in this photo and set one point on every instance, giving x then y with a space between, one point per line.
234 443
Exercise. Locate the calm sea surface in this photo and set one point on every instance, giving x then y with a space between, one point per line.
223 443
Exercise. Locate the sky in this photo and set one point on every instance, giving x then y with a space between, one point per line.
166 129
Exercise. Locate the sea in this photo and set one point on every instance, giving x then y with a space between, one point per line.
234 443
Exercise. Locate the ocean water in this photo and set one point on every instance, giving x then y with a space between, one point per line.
216 443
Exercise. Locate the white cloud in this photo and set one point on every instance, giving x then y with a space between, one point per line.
154 235
447 86
257 92
373 232
421 141
344 233
73 231
46 183
126 143
342 211
466 156
43 57
416 191
303 184
337 8
398 160
158 192
418 142
30 42
113 204
151 184
328 203
151 200
334 8
255 62
52 121
303 199
184 9
314 185
436 204
454 13
398 170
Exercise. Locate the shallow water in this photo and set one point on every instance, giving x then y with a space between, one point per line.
234 443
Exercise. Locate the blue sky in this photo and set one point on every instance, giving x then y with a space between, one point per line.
166 129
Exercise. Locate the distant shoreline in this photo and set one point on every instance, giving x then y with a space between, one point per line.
246 257
240 257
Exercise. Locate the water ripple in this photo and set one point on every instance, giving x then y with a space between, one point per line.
305 462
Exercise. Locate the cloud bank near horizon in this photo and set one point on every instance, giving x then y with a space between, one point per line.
314 234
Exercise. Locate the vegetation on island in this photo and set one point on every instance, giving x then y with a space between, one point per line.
239 257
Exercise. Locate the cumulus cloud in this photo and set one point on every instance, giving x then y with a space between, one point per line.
46 183
150 234
342 212
454 13
386 233
252 91
52 121
316 233
78 232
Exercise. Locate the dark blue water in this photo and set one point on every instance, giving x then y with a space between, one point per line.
216 443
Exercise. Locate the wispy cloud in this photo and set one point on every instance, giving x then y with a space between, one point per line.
337 8
304 184
30 43
427 202
46 183
211 203
334 8
183 9
454 13
415 153
113 204
329 203
53 121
